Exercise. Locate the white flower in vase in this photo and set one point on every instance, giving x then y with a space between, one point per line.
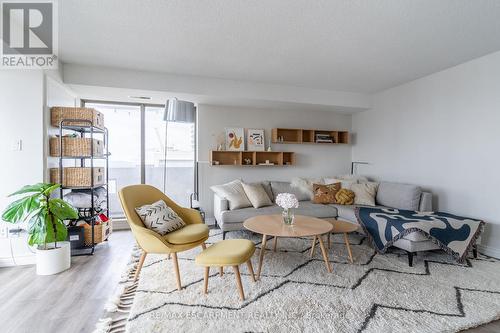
287 201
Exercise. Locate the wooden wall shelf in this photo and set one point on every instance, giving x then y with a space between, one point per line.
257 158
308 136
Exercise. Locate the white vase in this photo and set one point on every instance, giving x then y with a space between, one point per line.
53 261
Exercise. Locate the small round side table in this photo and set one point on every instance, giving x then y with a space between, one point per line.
340 227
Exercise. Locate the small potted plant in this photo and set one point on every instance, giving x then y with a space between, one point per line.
288 202
46 229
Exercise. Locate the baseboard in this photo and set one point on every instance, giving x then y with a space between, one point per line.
18 261
489 251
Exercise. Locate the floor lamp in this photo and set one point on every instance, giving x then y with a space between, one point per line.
177 111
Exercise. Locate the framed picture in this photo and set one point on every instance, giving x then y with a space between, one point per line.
235 139
255 139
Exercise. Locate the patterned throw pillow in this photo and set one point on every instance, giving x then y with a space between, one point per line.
160 218
344 197
325 194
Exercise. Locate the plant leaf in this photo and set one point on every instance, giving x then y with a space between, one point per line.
60 234
62 210
37 228
50 188
38 188
20 209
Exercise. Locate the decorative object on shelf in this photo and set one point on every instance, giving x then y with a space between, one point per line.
288 202
255 140
269 146
235 140
45 217
267 162
79 117
74 146
247 161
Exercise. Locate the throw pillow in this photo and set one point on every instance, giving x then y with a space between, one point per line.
346 183
257 195
365 193
160 218
305 185
325 194
234 193
345 197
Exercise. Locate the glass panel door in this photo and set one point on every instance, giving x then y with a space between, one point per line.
178 180
124 127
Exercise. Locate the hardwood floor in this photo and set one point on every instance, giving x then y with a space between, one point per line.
71 301
74 300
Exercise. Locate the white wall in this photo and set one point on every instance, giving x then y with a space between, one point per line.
443 133
311 160
21 118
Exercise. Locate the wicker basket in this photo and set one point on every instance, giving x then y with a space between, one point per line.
78 177
101 232
59 113
76 147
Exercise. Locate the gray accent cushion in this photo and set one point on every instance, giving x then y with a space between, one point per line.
257 195
267 188
234 193
305 208
402 196
286 187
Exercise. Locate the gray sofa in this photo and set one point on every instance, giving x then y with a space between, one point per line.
395 195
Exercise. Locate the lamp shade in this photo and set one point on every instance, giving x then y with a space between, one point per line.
179 111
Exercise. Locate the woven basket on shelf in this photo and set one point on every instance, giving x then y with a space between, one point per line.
78 177
59 113
101 232
76 147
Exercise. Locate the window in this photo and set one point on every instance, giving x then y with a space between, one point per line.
137 148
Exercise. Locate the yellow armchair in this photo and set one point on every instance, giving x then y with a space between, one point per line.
195 233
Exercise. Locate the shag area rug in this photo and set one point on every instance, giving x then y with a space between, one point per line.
378 293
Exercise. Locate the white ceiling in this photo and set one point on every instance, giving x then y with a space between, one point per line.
344 45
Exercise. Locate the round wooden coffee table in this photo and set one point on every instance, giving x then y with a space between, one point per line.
343 227
304 226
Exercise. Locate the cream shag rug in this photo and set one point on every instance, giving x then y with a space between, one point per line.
378 293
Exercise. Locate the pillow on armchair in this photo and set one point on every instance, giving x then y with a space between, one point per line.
160 218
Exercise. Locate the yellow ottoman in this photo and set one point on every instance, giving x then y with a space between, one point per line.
230 252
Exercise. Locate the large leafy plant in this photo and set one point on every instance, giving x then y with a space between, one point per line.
45 215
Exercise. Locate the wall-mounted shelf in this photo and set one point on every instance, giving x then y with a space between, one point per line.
308 136
257 158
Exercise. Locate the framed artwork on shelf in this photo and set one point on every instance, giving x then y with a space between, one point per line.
255 140
235 139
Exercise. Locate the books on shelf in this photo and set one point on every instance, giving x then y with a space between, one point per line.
324 138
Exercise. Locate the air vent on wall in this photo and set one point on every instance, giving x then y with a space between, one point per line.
142 98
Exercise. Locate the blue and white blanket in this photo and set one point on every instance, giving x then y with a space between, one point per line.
454 234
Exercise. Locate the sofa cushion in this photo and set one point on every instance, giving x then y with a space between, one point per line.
286 187
305 208
234 193
257 195
401 196
325 194
364 193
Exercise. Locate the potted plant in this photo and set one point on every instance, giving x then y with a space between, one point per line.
46 229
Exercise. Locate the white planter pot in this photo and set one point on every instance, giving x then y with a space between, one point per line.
53 261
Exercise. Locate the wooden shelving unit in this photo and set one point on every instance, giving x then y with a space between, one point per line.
257 158
308 136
